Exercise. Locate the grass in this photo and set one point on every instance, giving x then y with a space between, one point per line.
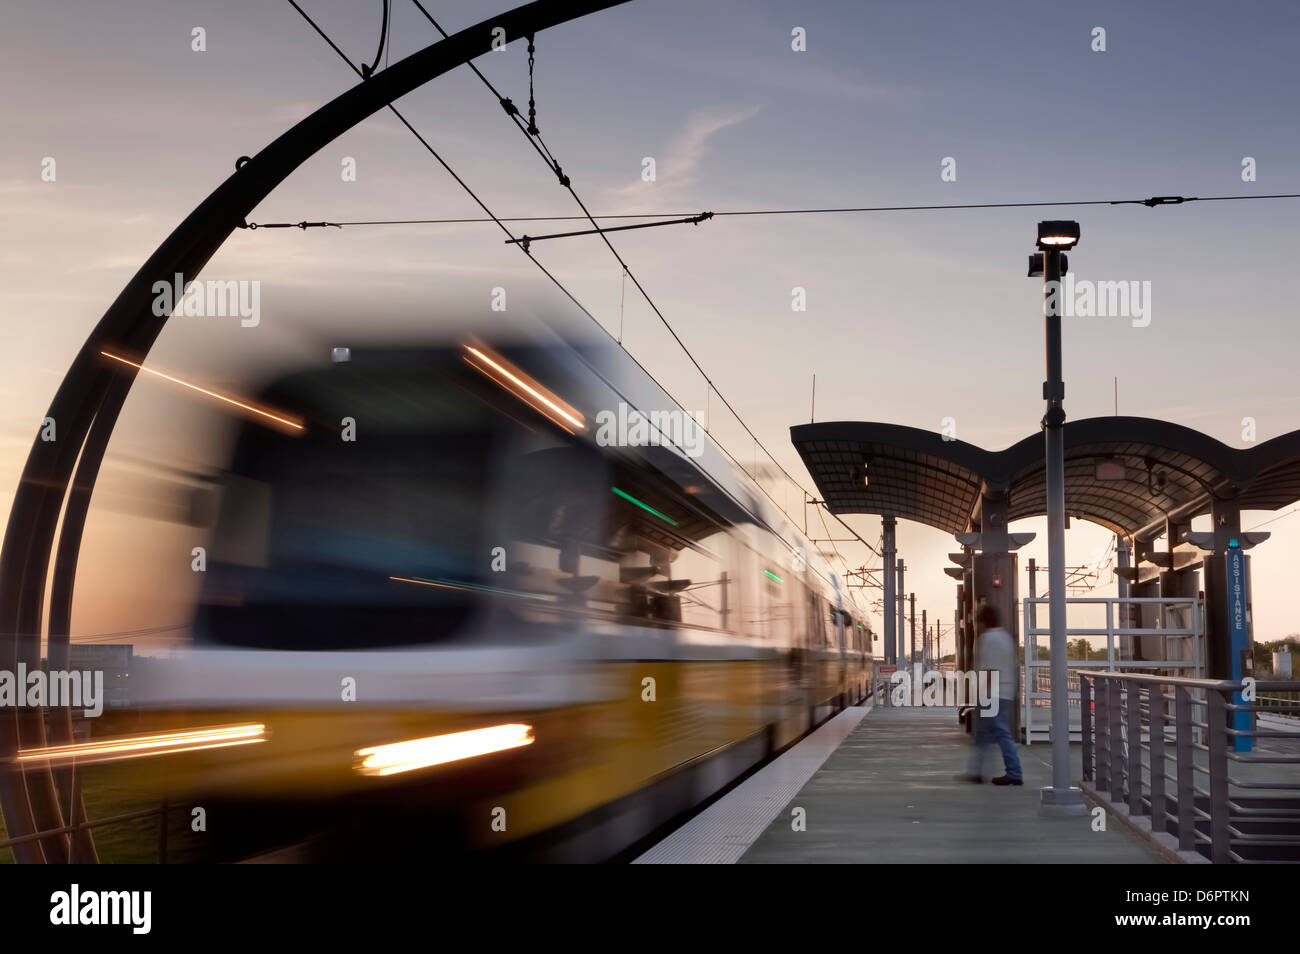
110 789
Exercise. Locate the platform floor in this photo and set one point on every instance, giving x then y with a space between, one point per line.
726 829
888 795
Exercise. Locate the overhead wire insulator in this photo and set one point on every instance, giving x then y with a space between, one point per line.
532 103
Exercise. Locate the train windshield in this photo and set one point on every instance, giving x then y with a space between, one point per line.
374 538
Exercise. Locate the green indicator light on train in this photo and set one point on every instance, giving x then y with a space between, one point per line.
773 576
646 507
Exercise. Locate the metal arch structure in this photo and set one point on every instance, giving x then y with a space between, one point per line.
90 397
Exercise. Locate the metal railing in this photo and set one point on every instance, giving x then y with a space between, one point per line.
71 830
1278 703
1227 805
1179 619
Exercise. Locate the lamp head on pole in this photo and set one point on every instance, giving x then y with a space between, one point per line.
1058 234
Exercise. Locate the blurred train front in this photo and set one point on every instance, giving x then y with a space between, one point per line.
453 611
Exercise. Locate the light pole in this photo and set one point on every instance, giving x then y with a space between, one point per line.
1053 239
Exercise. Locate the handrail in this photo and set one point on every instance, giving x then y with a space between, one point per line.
1126 732
1191 683
1226 685
1166 600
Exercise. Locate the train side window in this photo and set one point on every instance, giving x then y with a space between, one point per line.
780 609
703 597
754 619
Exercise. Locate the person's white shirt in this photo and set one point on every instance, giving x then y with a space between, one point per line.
997 651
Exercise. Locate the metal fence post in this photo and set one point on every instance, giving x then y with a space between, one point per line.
1103 734
1156 750
1085 715
1027 719
1110 639
1217 720
1133 699
1183 748
1116 743
74 816
1110 636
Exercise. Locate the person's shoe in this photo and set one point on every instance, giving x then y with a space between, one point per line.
1008 780
973 779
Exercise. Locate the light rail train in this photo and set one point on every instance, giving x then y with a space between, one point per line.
504 594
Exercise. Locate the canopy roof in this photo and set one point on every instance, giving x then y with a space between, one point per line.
866 467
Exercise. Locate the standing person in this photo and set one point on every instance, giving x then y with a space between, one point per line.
996 653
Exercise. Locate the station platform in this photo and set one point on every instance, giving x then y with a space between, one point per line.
884 791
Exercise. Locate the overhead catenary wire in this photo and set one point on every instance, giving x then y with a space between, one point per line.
1149 202
143 633
1274 519
859 536
836 550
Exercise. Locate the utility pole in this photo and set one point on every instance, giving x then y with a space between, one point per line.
902 621
925 641
887 525
912 658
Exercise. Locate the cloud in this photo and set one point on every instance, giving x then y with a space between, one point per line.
678 168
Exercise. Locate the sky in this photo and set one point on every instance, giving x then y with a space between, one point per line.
911 317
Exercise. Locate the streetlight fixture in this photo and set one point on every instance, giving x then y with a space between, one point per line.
1060 234
1054 237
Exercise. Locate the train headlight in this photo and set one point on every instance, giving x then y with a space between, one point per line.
439 749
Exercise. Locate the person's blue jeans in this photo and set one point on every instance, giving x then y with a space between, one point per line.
993 730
